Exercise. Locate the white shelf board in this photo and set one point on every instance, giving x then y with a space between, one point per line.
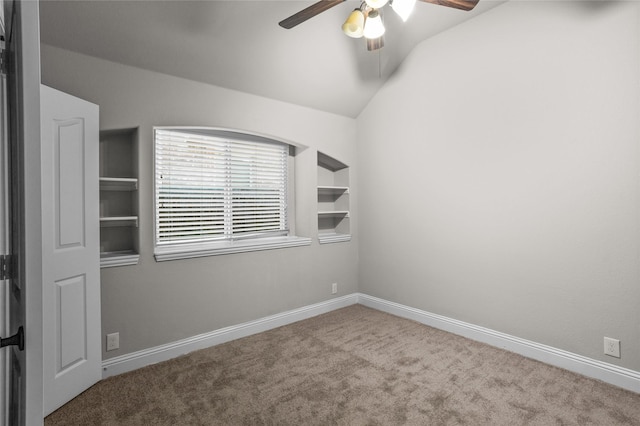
118 184
344 213
118 258
333 190
329 162
119 221
327 238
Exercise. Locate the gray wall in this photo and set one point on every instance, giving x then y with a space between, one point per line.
154 303
501 187
499 172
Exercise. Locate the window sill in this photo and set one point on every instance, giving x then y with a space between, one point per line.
188 251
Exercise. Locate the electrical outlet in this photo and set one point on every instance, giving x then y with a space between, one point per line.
334 288
612 347
113 341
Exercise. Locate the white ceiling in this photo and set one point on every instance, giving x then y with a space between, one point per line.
239 44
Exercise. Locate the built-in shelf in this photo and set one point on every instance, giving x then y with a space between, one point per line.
118 184
328 238
333 200
334 213
333 190
118 258
119 198
119 221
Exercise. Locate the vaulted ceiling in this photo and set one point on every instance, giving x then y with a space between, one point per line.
239 45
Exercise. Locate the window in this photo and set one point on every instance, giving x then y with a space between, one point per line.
219 192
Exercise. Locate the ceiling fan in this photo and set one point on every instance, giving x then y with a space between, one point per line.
366 21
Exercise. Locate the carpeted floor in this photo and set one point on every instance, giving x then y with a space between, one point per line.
353 366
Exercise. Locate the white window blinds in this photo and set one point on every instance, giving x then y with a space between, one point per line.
209 188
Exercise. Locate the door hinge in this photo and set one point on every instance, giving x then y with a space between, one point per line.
4 66
7 267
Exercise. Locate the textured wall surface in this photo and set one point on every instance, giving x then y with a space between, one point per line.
501 187
153 303
495 181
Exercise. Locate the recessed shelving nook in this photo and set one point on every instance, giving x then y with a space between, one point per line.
333 200
119 240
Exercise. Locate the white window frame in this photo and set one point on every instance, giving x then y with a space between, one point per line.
182 250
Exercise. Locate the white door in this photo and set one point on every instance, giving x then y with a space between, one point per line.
70 242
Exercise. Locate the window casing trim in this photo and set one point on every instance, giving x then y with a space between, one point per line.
187 251
164 251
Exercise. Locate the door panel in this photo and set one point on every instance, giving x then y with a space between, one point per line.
69 192
70 313
71 257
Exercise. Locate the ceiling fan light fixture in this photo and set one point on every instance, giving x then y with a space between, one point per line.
403 8
376 4
373 27
354 25
375 43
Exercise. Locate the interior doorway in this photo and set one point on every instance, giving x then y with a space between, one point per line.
4 228
20 215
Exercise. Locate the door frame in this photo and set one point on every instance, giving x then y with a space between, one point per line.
26 34
4 237
30 48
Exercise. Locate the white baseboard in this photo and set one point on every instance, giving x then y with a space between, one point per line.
618 376
139 359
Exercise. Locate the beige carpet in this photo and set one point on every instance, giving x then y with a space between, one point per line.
354 366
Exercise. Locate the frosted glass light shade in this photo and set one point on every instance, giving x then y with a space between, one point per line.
403 8
354 25
373 27
376 4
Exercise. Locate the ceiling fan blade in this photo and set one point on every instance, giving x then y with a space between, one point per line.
310 12
457 4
